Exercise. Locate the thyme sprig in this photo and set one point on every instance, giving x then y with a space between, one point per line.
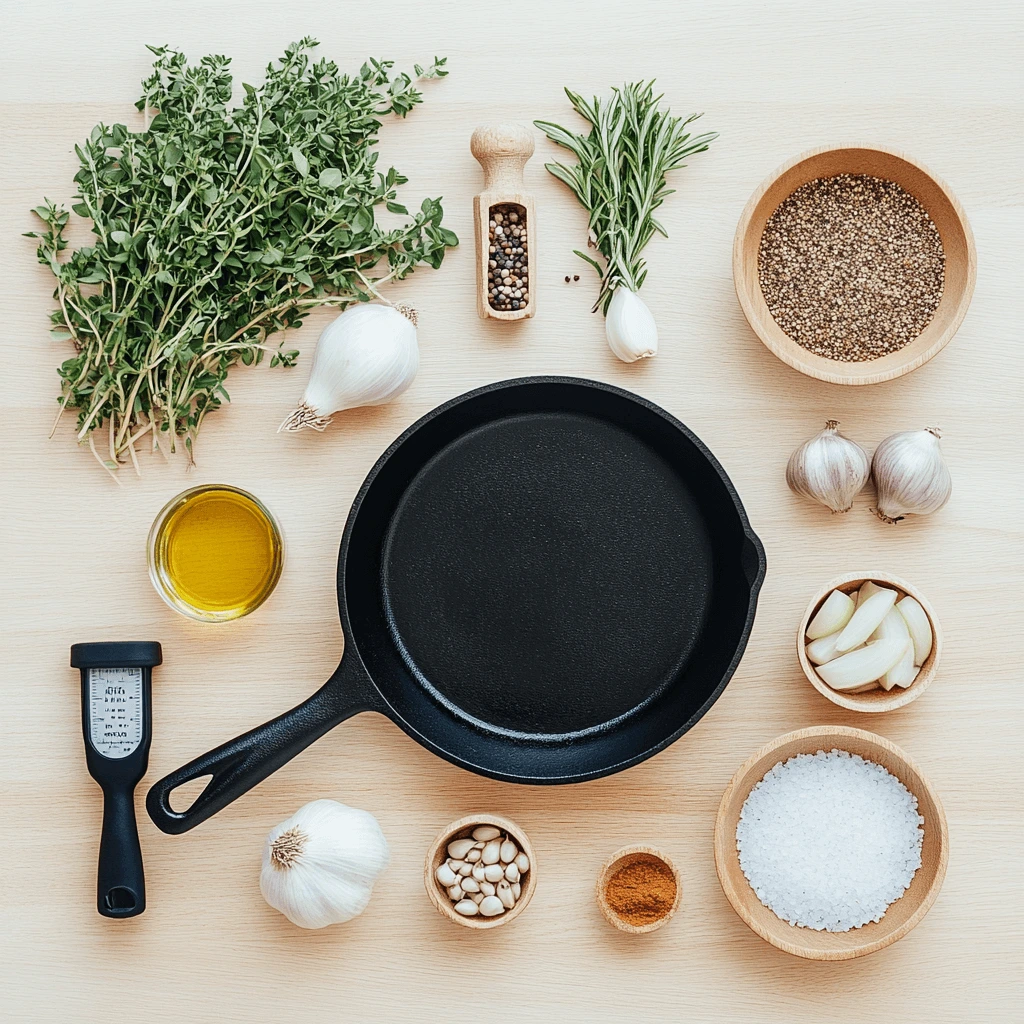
620 178
218 226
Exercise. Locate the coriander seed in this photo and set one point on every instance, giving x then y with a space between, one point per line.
851 267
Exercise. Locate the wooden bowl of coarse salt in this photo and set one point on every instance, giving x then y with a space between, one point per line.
814 843
857 275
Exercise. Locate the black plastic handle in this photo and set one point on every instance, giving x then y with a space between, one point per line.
238 765
121 884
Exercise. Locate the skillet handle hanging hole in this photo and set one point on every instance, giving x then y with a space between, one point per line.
182 798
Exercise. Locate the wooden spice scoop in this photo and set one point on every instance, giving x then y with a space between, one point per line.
502 151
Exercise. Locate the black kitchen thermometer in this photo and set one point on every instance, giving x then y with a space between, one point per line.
118 725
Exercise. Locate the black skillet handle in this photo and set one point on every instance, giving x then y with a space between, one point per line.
238 765
121 884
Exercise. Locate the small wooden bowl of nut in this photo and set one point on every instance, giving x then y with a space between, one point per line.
837 660
481 871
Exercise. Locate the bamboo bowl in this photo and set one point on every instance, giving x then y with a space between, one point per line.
933 194
438 853
902 916
879 700
611 866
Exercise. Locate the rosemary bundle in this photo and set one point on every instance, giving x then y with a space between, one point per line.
217 226
620 181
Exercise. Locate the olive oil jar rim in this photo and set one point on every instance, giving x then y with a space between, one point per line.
159 576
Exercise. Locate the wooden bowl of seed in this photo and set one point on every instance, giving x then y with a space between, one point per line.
854 264
481 871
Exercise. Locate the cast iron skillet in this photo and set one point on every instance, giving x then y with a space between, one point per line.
545 580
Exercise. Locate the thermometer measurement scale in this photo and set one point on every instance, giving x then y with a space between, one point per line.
117 724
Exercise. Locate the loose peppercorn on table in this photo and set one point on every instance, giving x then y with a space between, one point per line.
941 82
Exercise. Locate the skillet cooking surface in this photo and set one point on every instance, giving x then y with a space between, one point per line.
546 573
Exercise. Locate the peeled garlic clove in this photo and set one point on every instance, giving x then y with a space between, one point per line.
512 872
478 872
517 890
467 908
445 875
829 469
478 898
470 885
920 627
485 833
823 650
466 869
491 853
491 906
522 862
473 856
868 588
487 888
833 615
494 872
903 673
866 620
455 893
504 894
458 849
892 627
862 666
629 326
909 679
508 851
910 475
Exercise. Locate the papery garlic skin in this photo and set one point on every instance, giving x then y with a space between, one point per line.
367 356
829 469
629 326
319 866
910 475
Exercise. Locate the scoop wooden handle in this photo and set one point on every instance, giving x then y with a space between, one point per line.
502 151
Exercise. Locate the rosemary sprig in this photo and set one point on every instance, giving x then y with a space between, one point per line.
620 178
216 227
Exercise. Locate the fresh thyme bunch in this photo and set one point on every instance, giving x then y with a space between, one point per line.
217 226
620 181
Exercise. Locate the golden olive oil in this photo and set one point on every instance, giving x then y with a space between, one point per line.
215 553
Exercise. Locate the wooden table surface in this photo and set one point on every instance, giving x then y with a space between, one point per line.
941 80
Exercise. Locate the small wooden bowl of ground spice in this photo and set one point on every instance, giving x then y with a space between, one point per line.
638 889
854 265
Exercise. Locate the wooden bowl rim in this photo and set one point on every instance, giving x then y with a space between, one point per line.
605 874
871 702
789 351
824 737
439 896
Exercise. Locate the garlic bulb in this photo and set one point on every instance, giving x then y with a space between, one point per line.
319 866
629 326
367 356
829 469
910 475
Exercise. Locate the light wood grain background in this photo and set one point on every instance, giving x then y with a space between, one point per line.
941 80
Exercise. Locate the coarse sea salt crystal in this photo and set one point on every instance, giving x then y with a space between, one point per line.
829 840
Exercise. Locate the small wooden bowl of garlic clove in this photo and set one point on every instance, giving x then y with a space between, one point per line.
474 839
857 587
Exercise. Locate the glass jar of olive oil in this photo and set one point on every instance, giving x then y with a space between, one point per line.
215 553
